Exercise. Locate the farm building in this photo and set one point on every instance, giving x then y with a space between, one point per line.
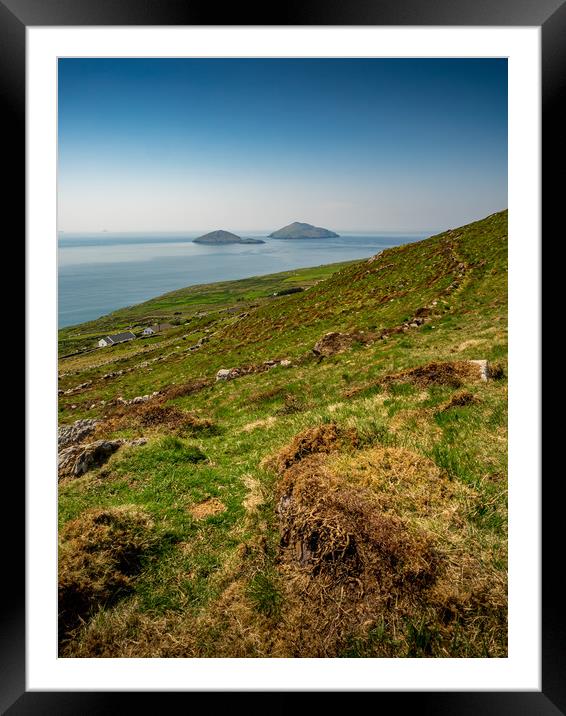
118 338
150 330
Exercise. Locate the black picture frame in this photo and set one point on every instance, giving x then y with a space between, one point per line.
550 16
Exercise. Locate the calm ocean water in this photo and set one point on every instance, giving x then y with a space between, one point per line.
99 273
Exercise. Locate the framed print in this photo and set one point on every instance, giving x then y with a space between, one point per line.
266 295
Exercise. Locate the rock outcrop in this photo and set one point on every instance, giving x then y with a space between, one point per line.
76 432
76 460
138 399
231 373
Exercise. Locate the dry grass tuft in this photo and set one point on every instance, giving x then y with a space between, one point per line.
401 481
207 508
182 389
460 400
375 540
345 559
339 528
255 497
496 371
262 396
335 342
172 418
323 438
291 404
260 423
154 415
450 373
410 420
99 554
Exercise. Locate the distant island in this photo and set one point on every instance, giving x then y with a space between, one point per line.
298 230
224 237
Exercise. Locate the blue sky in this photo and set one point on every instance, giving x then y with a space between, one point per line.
190 144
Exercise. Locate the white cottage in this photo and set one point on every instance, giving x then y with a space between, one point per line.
117 338
151 330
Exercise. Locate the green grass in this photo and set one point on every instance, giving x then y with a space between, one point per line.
199 561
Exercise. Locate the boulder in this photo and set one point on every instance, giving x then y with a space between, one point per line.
77 388
483 368
137 399
94 455
136 441
76 433
224 374
76 460
374 258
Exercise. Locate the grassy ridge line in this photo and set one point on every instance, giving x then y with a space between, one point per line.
213 586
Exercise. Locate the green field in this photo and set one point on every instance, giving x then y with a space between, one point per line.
345 505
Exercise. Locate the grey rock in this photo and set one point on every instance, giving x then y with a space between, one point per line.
76 460
374 258
483 368
224 374
77 388
94 454
137 441
76 433
137 399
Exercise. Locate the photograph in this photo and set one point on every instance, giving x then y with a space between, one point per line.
283 379
282 320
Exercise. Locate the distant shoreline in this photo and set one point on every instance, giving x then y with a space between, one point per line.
100 274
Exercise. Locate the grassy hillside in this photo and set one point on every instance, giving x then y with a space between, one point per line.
352 503
181 306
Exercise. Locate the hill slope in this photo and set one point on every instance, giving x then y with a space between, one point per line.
348 501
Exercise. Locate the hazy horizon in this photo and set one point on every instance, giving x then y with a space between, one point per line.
262 231
157 145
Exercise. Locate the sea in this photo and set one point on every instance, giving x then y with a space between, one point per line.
101 272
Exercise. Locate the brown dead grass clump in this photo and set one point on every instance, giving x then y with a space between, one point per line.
338 528
460 400
173 418
375 539
452 374
207 508
401 482
262 396
323 438
291 404
182 389
357 389
154 414
100 552
260 423
496 371
346 560
335 342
